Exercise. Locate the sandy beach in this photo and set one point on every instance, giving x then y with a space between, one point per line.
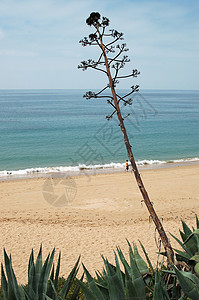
91 215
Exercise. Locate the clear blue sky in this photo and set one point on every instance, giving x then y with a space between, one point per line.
39 42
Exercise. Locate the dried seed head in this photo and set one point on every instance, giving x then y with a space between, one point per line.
93 19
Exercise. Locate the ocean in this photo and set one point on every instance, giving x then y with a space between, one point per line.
45 131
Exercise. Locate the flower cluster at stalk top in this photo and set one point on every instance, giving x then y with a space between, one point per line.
94 18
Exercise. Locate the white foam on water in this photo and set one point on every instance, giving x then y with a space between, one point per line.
82 167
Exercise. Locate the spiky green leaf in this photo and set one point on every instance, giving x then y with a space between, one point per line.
191 244
142 266
182 245
70 279
147 258
45 272
130 291
4 284
123 260
37 271
158 292
188 284
77 289
87 293
186 228
57 271
136 276
92 285
197 222
115 286
119 273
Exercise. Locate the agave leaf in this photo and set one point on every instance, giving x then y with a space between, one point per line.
104 290
31 262
183 297
4 284
22 293
182 256
47 298
7 265
104 274
45 272
87 293
164 289
191 244
197 222
189 286
192 277
54 296
136 276
197 242
43 281
92 285
69 281
115 286
177 291
168 271
196 232
52 273
174 289
13 290
186 228
147 258
183 236
57 271
158 291
123 260
182 245
38 269
108 269
77 289
130 291
48 269
31 275
100 279
142 266
29 296
14 283
50 290
102 283
195 258
119 273
196 269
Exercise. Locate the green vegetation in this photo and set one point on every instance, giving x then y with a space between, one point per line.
129 278
43 280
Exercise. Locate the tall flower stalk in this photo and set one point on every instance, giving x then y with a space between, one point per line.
112 57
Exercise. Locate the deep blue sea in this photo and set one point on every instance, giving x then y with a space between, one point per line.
42 130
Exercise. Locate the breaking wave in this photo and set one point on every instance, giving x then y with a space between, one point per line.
82 167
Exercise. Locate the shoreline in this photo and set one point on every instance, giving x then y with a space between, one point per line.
96 171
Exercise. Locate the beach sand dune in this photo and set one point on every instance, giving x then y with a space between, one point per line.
94 214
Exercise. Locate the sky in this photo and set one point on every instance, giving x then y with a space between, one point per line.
40 49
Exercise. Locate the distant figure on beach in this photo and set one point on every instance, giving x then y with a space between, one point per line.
127 165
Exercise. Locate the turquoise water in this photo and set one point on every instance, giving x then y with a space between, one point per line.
54 128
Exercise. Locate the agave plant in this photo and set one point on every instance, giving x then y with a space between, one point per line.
189 284
184 276
137 280
42 279
190 244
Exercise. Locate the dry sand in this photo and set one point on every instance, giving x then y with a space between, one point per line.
103 211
